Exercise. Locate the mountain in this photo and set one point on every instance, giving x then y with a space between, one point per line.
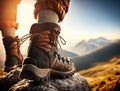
104 76
87 46
70 54
97 56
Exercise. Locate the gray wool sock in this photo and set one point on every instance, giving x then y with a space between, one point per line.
47 16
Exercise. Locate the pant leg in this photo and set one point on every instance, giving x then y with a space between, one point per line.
59 6
8 13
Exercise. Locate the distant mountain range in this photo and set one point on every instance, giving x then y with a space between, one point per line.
97 56
84 46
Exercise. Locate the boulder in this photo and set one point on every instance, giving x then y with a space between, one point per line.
12 82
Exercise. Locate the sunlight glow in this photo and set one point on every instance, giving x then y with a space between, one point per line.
25 17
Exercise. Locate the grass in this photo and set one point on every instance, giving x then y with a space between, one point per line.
2 73
104 76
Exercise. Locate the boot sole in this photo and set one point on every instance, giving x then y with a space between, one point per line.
32 72
8 69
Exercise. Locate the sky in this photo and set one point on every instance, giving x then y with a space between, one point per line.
85 19
93 18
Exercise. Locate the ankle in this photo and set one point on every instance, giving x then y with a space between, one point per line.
8 32
48 16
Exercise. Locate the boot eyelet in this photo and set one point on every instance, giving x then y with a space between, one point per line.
52 42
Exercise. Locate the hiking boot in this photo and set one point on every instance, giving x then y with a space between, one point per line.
13 55
43 59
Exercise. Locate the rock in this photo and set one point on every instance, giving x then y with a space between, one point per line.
9 80
74 83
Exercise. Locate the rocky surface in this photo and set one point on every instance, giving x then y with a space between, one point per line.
12 82
9 80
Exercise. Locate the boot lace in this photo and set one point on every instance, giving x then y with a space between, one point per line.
27 36
64 58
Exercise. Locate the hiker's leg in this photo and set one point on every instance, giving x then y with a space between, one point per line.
8 26
43 59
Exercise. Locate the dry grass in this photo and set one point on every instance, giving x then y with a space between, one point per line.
105 76
2 73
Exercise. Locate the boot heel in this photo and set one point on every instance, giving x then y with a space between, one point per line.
32 72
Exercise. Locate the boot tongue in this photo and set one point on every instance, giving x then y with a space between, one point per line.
12 47
45 35
8 40
38 27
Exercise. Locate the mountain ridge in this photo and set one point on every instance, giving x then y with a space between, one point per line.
86 46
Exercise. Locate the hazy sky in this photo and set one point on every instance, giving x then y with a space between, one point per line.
85 19
93 18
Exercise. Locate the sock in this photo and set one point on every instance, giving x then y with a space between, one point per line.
8 32
48 16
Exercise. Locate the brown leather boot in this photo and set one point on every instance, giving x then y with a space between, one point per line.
13 55
43 59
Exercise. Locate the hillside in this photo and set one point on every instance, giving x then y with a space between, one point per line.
104 76
70 54
97 56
